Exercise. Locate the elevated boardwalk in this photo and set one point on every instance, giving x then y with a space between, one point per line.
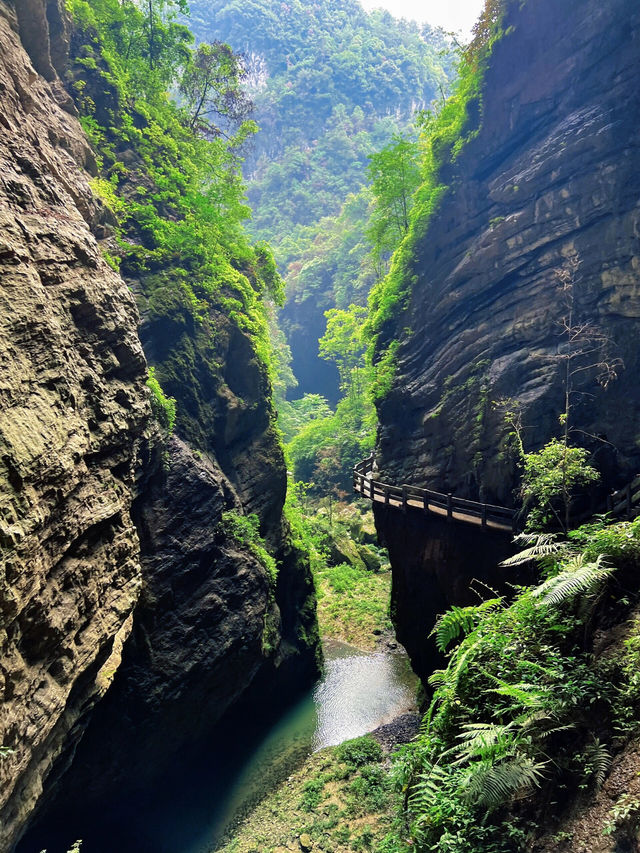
625 503
485 516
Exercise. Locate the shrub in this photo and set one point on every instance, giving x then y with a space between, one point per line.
359 751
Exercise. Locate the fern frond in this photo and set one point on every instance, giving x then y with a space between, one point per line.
538 546
598 761
482 740
491 785
449 626
461 620
577 578
527 695
427 788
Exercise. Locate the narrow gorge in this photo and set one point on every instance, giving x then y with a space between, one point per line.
244 248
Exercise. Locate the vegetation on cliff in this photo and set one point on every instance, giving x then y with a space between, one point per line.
533 696
170 174
352 575
445 130
325 103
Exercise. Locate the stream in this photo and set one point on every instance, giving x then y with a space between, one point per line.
359 692
195 807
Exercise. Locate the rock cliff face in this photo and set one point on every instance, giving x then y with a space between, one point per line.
550 180
74 416
116 579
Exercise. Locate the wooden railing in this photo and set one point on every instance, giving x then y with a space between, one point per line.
487 516
626 501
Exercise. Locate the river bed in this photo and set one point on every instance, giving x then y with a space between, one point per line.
196 806
359 692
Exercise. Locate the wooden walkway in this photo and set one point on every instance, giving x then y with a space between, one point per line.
625 503
485 516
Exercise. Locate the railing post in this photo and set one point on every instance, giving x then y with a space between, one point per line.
386 496
404 499
484 515
628 497
371 489
425 503
449 506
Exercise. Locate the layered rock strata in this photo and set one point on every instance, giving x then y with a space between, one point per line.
551 177
546 196
74 415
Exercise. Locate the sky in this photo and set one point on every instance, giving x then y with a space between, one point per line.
456 15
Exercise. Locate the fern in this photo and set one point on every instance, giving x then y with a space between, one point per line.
597 760
461 620
577 578
427 788
483 741
491 785
528 695
539 547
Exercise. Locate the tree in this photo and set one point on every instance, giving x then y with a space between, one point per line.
550 479
584 352
395 175
212 88
552 474
342 343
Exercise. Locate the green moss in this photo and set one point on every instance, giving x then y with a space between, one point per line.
244 529
163 407
179 202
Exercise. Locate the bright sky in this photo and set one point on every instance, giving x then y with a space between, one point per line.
453 15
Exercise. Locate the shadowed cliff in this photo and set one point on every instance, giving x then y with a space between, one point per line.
548 186
119 576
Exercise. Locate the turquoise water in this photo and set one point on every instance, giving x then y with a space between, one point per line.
360 691
196 805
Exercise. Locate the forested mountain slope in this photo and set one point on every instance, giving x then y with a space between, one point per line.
331 85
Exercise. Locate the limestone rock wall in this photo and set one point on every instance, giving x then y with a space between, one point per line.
552 174
74 415
129 621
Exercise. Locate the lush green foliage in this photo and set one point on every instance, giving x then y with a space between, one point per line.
352 576
550 480
326 449
395 176
359 751
332 85
164 408
517 705
342 343
170 175
245 529
444 131
323 97
339 800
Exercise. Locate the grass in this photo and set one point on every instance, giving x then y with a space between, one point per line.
352 604
341 805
